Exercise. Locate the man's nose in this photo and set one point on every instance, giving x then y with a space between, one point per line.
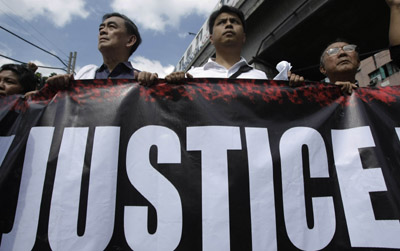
2 85
103 31
342 52
228 24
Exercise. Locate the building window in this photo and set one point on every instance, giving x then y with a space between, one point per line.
181 64
189 53
198 38
382 73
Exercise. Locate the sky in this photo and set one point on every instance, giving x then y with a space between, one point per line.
61 27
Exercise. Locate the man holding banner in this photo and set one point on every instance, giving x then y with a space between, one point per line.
118 38
340 60
227 28
394 30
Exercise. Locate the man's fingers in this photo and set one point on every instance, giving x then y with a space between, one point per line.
346 87
177 77
141 77
153 77
171 77
188 75
297 79
136 75
291 79
182 75
294 79
352 87
60 81
67 78
349 88
146 78
31 93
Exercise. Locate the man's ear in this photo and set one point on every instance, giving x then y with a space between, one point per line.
211 39
322 70
131 41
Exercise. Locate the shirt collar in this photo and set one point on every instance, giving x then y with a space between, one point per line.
127 64
212 64
122 70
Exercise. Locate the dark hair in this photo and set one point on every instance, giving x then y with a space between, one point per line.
130 27
226 9
337 40
26 77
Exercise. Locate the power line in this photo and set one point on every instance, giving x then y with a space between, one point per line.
40 66
1 27
22 27
33 27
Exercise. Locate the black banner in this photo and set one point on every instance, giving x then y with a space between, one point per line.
209 165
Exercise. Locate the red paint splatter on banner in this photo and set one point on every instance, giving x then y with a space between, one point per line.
270 91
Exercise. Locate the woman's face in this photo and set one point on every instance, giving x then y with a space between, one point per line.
9 83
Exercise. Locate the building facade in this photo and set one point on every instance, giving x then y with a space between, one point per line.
378 70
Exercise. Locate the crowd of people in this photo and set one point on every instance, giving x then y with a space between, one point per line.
119 37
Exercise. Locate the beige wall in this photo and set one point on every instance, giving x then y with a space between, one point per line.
372 63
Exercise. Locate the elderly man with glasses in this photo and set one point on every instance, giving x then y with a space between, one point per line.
340 62
394 30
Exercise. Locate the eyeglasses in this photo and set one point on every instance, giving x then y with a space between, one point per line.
346 48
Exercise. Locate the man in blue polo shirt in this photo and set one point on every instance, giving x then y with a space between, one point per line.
118 39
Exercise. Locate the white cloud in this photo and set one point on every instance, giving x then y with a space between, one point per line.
145 64
45 71
157 15
5 61
59 12
183 35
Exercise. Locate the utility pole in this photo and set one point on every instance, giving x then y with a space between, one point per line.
73 62
69 63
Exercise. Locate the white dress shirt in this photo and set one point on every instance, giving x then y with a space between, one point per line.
211 69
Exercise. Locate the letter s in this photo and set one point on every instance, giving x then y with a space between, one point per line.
155 188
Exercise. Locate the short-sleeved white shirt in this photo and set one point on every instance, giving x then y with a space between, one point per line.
211 69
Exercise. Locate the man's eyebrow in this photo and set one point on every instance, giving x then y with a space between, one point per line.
226 18
108 23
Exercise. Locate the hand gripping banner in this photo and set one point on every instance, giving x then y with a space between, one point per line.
212 164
